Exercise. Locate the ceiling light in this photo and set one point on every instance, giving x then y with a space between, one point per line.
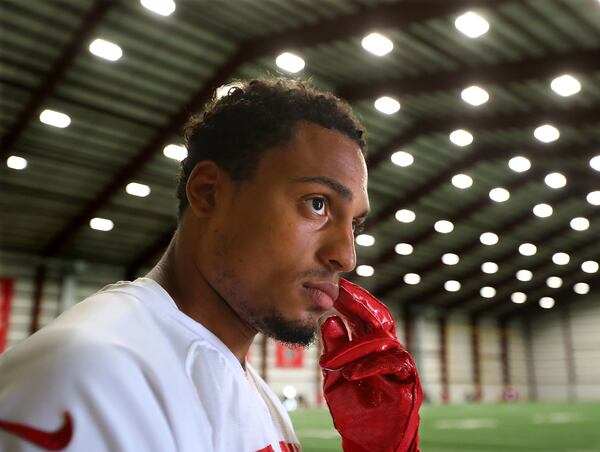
412 279
443 226
365 270
595 163
499 194
487 292
452 286
590 266
450 259
555 180
547 302
489 267
377 44
404 249
527 249
518 297
462 181
565 85
519 164
560 258
405 216
175 152
106 49
593 197
554 282
101 224
162 7
524 275
402 158
542 210
16 163
546 133
290 62
387 105
461 137
580 224
488 238
475 95
365 240
472 24
136 189
55 118
581 288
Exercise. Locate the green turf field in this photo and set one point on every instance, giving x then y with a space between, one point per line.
543 427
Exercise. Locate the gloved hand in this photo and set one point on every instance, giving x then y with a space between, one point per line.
370 383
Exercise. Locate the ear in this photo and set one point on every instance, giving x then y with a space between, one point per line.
203 185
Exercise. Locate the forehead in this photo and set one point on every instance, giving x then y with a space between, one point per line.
317 151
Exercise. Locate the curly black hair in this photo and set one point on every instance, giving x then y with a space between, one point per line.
253 116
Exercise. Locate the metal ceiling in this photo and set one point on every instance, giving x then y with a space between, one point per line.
124 113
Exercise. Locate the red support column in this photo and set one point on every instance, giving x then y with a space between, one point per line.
442 328
504 350
475 358
569 352
38 295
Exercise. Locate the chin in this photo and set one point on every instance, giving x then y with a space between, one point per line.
290 331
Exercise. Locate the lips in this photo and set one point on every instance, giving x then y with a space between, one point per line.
331 289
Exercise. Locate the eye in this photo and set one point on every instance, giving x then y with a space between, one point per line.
318 205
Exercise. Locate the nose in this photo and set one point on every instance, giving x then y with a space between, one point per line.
337 250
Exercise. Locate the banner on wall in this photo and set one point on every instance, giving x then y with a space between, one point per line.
6 294
287 356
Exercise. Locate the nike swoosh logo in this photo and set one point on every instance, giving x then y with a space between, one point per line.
56 440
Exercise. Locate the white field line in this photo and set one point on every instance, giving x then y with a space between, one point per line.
466 424
556 418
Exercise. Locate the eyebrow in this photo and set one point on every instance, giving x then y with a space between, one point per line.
336 186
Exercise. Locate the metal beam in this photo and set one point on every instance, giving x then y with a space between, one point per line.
529 308
491 74
431 267
477 155
506 282
572 117
37 99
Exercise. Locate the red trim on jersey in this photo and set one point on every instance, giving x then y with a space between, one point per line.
56 440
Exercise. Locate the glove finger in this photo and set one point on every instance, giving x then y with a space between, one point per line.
394 362
363 311
358 349
334 334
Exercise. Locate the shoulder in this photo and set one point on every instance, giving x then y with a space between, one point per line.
106 389
65 354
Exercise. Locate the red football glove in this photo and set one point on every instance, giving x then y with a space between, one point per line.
370 383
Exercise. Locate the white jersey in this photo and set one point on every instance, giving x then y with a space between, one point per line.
126 371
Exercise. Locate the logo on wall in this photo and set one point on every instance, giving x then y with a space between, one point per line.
287 356
6 294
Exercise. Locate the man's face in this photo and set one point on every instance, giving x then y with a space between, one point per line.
279 242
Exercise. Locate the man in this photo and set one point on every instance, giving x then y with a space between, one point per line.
271 195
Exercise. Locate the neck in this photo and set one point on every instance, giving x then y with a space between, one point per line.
179 275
